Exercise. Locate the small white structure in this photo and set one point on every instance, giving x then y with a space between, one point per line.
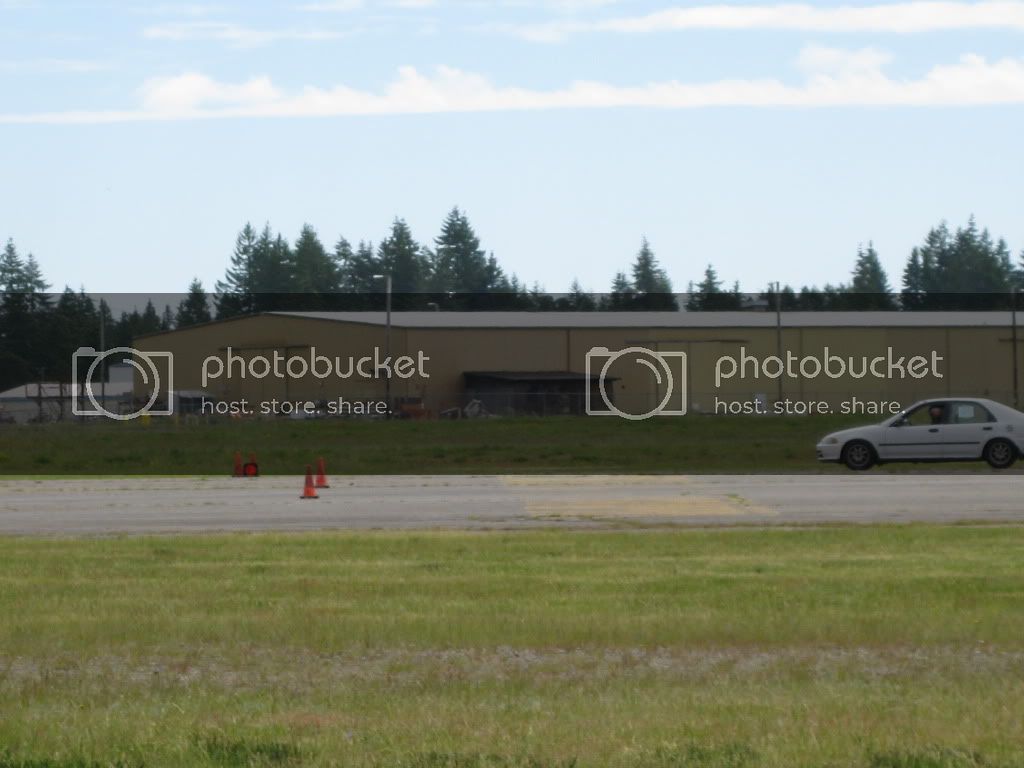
51 400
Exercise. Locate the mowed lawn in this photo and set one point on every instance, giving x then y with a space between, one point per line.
521 445
888 647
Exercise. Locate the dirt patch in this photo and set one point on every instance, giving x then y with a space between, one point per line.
680 506
301 671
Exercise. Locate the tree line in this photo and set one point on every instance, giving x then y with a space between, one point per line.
959 269
964 269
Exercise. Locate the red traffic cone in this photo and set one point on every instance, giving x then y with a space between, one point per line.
251 467
238 472
321 474
309 490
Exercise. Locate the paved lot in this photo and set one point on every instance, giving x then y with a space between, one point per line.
97 506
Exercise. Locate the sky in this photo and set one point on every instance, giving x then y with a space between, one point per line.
767 139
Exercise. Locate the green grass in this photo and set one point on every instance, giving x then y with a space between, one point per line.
874 647
565 444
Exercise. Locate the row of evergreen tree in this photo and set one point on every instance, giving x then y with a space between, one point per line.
950 270
965 269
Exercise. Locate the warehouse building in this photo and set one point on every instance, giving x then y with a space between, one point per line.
545 363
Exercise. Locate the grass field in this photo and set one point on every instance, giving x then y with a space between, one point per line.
573 445
874 647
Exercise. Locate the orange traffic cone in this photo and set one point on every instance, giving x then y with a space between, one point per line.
251 467
321 475
238 472
309 490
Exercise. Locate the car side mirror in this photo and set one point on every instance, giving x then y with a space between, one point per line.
900 422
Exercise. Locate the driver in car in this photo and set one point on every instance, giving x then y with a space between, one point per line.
936 412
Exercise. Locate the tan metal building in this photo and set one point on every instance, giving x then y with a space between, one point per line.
550 362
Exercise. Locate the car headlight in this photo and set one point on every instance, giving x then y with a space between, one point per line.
831 441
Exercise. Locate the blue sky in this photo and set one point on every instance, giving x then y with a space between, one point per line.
767 139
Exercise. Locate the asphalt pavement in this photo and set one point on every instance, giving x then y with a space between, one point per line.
181 505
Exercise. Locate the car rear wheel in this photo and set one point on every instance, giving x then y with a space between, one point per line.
858 455
1000 453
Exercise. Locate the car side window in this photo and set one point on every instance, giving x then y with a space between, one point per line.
970 413
926 415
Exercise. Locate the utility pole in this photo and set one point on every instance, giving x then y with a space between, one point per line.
387 344
387 337
778 329
103 357
1013 314
39 394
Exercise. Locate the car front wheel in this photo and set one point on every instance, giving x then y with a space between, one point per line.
1000 454
858 455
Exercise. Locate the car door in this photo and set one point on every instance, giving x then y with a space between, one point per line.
970 425
919 435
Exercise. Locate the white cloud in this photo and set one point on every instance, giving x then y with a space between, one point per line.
346 6
817 59
233 34
187 93
412 4
899 17
63 66
834 78
178 9
333 6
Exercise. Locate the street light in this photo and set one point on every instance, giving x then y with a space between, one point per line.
778 327
103 349
1013 312
387 336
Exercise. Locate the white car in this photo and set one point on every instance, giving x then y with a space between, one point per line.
940 429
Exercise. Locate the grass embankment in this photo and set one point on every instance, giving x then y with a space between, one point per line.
566 445
883 647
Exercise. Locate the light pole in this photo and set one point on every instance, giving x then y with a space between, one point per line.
1013 313
387 336
103 359
778 328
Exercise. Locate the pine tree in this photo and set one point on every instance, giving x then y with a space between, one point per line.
12 269
73 322
32 277
708 296
150 321
313 270
274 276
650 283
579 300
402 257
913 294
457 263
34 287
359 267
965 270
195 307
236 292
496 279
621 296
272 272
869 289
18 359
